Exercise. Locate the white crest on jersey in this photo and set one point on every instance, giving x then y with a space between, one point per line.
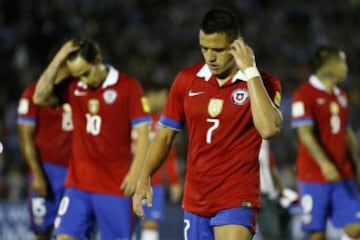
23 107
239 96
110 96
298 109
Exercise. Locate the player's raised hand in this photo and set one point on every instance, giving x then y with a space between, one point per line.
143 192
67 48
243 54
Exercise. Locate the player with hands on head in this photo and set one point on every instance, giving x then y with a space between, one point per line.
107 105
327 149
236 106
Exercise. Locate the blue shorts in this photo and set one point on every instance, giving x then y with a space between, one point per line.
201 228
155 212
79 210
338 201
43 210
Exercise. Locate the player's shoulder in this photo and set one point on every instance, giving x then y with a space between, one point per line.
29 89
267 76
304 87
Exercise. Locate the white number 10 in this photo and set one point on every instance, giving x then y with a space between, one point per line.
216 123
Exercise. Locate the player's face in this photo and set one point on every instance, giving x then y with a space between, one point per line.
339 68
215 50
86 72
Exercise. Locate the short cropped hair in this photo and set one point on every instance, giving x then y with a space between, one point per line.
88 50
323 54
221 20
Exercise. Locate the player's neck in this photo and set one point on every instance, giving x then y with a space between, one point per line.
328 82
226 76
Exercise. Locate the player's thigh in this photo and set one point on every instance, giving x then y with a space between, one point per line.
75 216
197 227
234 223
155 212
114 216
232 232
315 205
346 204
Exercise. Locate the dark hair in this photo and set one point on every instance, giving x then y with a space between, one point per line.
220 20
323 54
88 49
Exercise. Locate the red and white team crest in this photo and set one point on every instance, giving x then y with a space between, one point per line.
215 106
239 96
110 96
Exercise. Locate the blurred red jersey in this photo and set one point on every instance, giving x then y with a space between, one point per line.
222 162
103 118
328 114
53 128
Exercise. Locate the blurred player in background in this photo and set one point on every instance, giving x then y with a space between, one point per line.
327 149
45 141
168 175
107 105
228 106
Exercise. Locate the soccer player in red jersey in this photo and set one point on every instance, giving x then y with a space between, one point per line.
107 105
327 149
228 105
47 158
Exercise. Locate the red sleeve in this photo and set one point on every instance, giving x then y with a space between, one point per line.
27 110
273 86
174 108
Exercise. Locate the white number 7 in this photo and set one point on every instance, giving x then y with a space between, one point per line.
216 123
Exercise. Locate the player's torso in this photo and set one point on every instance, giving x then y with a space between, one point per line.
101 115
330 115
330 119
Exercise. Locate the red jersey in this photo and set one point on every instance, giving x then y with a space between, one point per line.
103 118
222 162
169 171
328 114
53 128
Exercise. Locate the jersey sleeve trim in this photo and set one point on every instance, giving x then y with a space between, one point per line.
170 123
26 120
141 120
302 121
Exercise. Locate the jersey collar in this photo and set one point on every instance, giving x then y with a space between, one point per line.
112 78
205 73
316 83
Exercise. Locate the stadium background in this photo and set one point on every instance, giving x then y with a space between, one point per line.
152 40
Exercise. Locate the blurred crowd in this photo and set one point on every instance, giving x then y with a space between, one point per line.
153 39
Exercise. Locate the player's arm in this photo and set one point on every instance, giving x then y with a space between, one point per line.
53 74
266 116
351 143
308 138
156 155
142 132
26 134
